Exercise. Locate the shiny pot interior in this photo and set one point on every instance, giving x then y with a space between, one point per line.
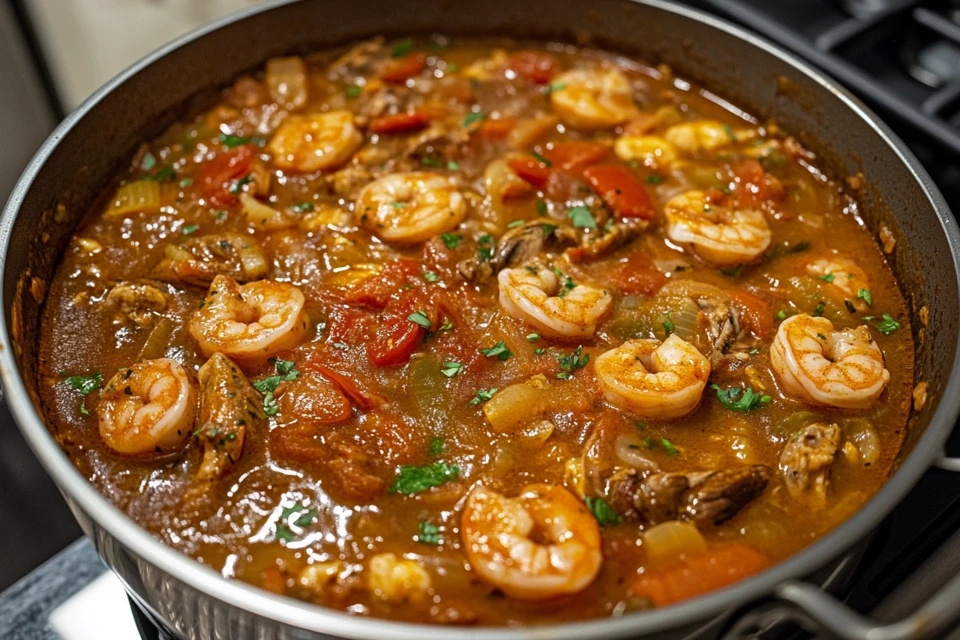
86 149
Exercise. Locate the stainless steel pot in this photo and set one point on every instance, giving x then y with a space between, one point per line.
193 601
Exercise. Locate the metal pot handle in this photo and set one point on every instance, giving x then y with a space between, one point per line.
820 613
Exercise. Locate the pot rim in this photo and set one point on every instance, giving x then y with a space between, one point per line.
329 621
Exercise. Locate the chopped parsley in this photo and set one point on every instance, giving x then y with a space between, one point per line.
396 204
353 91
668 447
451 368
539 351
539 158
430 162
429 533
420 318
148 162
485 252
305 518
782 314
727 129
732 272
451 240
190 228
515 224
453 165
740 399
668 326
84 385
548 228
884 324
866 296
654 179
164 175
581 217
411 480
473 116
603 512
286 372
303 207
430 276
436 447
402 48
498 350
186 182
231 141
572 361
533 337
482 395
786 248
819 310
567 283
828 277
541 208
447 324
554 86
237 185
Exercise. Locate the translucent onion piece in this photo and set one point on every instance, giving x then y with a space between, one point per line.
539 432
671 541
629 450
518 405
287 81
793 423
135 197
861 433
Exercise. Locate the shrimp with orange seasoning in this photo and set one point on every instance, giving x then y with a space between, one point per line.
498 533
252 322
719 234
147 408
653 379
410 207
551 302
823 366
593 98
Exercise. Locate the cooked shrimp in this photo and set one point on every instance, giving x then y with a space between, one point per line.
593 98
313 142
651 151
704 135
653 379
397 580
822 366
147 408
842 273
559 309
251 322
497 534
719 234
410 207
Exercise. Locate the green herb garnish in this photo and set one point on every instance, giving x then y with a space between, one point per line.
402 48
740 399
828 277
884 324
436 447
420 318
286 372
411 480
429 533
451 240
581 217
482 395
866 296
451 368
473 116
572 361
498 350
190 228
603 512
84 385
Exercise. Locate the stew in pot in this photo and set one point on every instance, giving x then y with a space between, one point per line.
478 332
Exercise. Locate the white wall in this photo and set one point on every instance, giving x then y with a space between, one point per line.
88 42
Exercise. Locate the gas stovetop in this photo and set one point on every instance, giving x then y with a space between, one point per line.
900 56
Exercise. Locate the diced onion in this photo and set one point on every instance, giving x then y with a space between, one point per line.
287 81
135 197
671 541
861 433
263 216
629 447
539 432
793 423
515 406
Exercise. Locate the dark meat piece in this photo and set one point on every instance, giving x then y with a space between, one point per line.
348 182
704 498
197 261
229 406
517 246
438 142
614 237
358 61
807 459
136 302
721 323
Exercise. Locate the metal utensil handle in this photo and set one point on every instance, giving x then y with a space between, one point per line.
819 612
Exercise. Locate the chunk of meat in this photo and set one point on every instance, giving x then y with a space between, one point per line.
139 303
702 497
721 323
615 236
313 398
229 406
807 459
197 261
516 247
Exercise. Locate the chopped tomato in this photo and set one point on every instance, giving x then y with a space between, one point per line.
315 399
358 395
756 316
532 65
399 122
691 577
638 276
621 190
530 169
398 335
377 290
399 70
496 129
577 155
754 185
217 175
